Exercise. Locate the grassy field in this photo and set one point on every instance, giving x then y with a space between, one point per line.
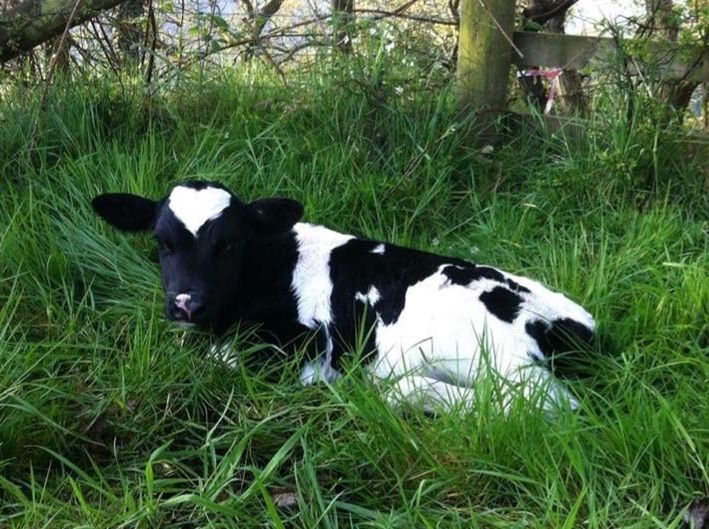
111 417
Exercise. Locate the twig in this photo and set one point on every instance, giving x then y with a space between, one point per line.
108 51
251 40
289 53
419 18
507 37
454 8
403 7
153 44
276 67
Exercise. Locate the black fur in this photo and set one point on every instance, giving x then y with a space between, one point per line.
125 211
565 344
464 275
502 302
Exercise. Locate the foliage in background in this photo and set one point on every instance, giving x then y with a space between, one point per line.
161 40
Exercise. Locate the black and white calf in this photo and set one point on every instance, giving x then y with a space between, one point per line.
434 320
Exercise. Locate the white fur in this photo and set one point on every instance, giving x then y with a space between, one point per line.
442 327
434 394
446 333
310 374
313 288
194 207
370 298
311 278
321 370
430 393
379 248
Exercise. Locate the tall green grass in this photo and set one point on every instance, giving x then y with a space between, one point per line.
110 417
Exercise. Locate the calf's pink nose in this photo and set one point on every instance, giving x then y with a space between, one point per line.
182 303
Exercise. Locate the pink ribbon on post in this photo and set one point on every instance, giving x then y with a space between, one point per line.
551 74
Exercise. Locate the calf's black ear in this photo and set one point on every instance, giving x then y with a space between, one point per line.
125 211
269 216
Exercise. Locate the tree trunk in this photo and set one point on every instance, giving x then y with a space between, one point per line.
485 53
130 32
542 11
36 21
660 19
342 17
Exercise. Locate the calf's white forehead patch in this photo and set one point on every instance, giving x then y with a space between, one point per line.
194 207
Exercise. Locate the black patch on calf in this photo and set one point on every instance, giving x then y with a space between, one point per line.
355 269
515 286
268 216
464 275
559 335
502 302
563 343
265 281
350 337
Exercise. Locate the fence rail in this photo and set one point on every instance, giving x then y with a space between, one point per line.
574 52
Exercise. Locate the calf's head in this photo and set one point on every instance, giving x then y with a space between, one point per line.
203 231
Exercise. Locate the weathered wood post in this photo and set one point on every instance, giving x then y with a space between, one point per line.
485 54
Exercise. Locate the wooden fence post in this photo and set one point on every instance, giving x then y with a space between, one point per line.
485 54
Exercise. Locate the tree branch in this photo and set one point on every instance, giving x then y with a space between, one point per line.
36 21
542 12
